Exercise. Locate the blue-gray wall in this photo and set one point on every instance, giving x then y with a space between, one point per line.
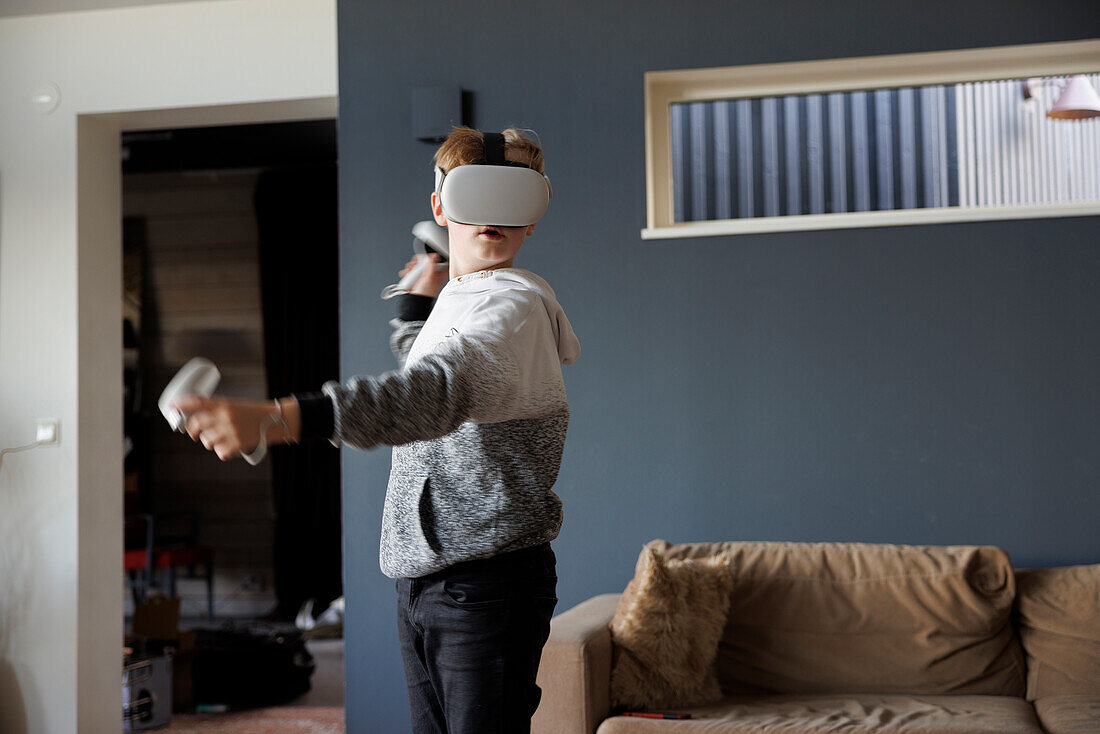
927 385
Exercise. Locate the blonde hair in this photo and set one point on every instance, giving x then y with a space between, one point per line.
466 146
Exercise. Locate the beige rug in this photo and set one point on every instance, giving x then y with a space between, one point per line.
274 720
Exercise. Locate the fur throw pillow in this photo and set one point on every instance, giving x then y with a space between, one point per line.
666 631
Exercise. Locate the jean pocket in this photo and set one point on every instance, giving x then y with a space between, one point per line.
545 589
476 594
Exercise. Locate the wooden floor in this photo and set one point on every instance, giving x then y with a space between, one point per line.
275 720
320 711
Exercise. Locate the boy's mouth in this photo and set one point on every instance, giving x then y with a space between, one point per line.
490 232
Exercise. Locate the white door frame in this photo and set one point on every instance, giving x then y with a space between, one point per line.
100 212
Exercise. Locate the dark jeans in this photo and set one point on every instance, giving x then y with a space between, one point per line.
471 638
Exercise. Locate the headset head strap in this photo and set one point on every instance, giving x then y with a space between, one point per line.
494 149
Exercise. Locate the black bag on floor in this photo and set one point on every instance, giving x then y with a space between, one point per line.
248 667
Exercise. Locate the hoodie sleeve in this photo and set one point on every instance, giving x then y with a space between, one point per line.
467 378
318 409
412 312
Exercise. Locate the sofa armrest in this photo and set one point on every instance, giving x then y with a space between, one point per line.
575 672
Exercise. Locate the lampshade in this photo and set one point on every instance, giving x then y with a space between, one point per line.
1078 100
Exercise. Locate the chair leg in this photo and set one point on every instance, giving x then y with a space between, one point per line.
136 588
210 590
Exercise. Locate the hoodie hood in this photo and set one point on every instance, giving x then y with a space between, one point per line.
569 347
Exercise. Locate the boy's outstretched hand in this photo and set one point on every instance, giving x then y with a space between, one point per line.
228 427
432 280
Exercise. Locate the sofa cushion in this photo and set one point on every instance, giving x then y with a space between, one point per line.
1059 625
854 617
853 714
666 629
1072 714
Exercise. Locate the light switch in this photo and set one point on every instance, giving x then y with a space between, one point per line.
48 431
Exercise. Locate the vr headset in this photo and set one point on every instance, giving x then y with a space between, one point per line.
495 191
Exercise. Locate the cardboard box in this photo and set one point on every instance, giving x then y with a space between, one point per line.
157 618
156 627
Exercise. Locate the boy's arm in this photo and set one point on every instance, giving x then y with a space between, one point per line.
412 312
469 375
414 307
311 415
467 378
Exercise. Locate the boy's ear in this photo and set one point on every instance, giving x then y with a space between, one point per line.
437 210
530 230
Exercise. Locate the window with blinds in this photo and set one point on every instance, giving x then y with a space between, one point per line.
975 144
814 154
874 153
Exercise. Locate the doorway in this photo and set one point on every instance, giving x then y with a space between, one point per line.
224 227
99 276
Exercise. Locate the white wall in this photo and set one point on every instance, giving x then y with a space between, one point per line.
60 279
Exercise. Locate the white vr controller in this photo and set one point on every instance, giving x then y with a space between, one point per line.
200 377
427 237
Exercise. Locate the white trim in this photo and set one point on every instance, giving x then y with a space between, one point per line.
663 88
892 218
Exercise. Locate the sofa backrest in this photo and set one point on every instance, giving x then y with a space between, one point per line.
1058 613
854 617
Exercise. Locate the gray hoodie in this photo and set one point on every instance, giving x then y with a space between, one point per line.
477 415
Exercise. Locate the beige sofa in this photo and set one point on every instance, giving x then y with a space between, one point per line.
829 637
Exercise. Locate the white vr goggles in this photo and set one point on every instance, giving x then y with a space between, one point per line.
495 192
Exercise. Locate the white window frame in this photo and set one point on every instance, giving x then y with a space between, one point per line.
664 88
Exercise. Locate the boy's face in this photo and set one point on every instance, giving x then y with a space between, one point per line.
475 247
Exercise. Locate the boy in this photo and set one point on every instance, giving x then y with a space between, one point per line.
477 415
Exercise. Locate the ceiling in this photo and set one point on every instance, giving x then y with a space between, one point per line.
38 7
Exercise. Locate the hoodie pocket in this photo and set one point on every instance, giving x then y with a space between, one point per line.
410 545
